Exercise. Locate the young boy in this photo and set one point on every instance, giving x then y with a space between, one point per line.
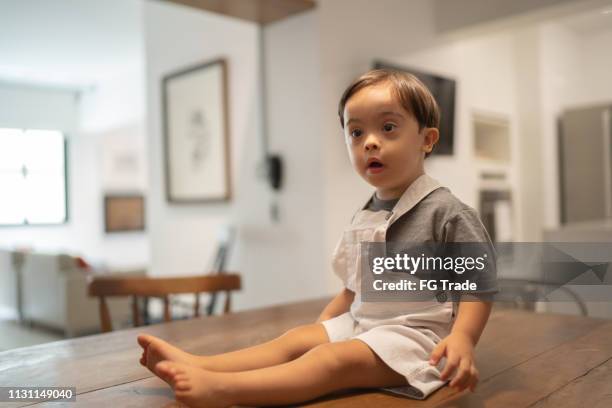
390 125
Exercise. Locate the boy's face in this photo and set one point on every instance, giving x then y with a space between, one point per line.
383 140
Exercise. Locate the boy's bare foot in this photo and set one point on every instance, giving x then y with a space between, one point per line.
193 386
156 350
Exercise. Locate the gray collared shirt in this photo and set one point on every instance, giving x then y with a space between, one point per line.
439 217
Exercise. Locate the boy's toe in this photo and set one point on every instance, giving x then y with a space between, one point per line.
164 370
162 367
144 340
182 385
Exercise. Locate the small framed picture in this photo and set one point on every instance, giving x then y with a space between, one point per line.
196 134
124 213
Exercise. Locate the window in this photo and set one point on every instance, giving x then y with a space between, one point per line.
32 177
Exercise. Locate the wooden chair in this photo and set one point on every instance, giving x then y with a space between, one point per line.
104 287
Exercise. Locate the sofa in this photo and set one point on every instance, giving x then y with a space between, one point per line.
50 291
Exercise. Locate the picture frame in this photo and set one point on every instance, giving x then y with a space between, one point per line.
196 129
124 213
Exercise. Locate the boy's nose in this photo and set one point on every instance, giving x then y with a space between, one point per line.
372 143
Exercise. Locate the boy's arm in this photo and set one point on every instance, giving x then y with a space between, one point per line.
339 304
471 319
458 346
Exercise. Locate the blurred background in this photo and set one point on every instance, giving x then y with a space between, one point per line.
89 91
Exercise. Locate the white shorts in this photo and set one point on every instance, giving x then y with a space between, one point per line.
404 349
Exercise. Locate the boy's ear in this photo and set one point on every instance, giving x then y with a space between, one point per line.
431 136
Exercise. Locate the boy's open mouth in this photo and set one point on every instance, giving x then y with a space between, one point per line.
374 165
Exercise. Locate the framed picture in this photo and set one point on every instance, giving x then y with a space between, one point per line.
196 134
124 213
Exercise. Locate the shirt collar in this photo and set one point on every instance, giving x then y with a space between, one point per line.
418 190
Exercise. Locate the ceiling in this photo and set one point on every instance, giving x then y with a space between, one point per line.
71 43
257 11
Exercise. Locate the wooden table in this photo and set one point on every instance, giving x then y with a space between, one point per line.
525 359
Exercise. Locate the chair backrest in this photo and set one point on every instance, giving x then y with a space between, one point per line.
104 287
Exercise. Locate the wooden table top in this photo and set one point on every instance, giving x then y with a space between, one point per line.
524 359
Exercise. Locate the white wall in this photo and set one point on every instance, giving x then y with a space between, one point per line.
529 130
596 86
288 256
38 107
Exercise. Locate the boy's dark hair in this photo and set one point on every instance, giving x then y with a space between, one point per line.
412 94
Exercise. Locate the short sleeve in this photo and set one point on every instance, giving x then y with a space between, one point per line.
466 227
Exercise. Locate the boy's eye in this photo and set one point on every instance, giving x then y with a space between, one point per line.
388 127
356 132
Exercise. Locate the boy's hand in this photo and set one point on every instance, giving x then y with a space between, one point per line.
459 351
